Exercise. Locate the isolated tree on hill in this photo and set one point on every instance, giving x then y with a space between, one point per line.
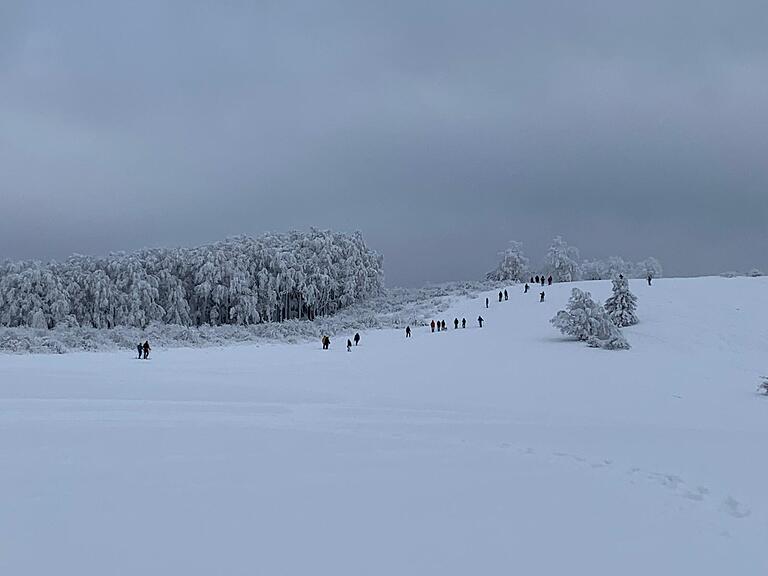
562 261
513 265
622 305
587 320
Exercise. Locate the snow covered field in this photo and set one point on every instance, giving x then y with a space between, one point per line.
502 450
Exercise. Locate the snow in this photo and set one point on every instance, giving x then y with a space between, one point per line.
503 450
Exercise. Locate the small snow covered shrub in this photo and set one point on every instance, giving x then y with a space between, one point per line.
622 305
588 321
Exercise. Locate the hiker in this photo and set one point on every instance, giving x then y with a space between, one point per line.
433 325
537 279
463 322
541 296
480 321
526 288
486 302
531 279
500 296
543 280
140 348
326 342
146 349
407 331
506 296
455 323
649 279
349 345
443 325
438 325
549 280
357 338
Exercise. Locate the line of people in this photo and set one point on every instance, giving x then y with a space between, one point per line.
541 280
440 325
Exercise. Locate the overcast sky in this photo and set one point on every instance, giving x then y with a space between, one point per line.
440 129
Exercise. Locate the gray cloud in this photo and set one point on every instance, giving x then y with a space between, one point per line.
439 129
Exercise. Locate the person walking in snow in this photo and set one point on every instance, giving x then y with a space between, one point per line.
463 322
549 280
649 279
537 279
349 345
480 321
146 349
543 280
526 288
407 331
541 296
486 302
443 325
433 325
455 323
506 296
326 342
357 338
438 325
140 348
531 279
500 296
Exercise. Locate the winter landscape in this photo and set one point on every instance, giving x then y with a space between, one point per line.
393 288
503 449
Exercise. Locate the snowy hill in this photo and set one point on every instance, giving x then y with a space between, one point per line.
502 450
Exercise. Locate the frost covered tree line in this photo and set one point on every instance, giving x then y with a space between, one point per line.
563 262
239 281
392 308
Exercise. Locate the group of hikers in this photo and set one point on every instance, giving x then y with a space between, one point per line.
542 280
143 350
440 325
327 342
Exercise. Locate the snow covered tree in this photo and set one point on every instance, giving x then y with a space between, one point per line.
513 266
562 261
586 320
648 267
622 305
